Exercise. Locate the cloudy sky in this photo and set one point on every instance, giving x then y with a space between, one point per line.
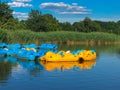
68 10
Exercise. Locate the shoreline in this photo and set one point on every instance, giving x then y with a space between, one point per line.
91 43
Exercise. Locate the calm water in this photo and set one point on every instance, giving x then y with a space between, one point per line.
101 74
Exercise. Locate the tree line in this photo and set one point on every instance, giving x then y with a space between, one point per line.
39 22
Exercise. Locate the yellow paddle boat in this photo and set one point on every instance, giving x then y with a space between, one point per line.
87 55
62 56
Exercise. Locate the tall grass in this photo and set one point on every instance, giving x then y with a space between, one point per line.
26 36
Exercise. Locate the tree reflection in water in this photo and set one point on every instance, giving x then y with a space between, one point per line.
32 67
119 53
5 71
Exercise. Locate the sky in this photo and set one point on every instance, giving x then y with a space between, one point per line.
68 10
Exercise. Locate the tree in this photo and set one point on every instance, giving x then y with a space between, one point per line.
15 24
66 26
90 26
78 26
51 23
38 22
34 20
34 14
5 14
118 24
110 26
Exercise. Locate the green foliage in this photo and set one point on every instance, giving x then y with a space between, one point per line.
3 35
6 19
52 23
110 27
5 14
38 22
87 25
34 21
66 26
14 24
78 26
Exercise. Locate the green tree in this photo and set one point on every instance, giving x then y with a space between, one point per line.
52 23
78 26
90 26
15 24
87 25
34 14
66 26
110 26
5 14
118 24
38 22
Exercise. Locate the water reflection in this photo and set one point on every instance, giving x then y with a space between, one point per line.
5 70
29 65
50 66
118 53
8 63
32 67
104 54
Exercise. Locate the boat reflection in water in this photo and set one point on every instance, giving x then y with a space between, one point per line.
30 65
50 66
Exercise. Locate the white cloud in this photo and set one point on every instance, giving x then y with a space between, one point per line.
63 8
21 0
74 12
19 4
54 6
107 19
20 15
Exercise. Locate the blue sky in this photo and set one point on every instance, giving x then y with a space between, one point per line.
69 10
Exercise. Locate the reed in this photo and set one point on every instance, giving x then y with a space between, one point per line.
66 37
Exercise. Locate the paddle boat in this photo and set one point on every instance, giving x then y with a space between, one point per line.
9 49
29 52
61 56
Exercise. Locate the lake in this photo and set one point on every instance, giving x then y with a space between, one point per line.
101 74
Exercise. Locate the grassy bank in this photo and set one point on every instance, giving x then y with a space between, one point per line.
26 36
